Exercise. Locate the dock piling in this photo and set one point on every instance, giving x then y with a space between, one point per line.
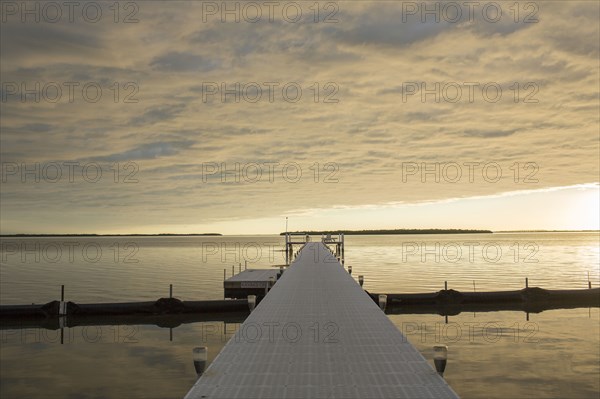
445 286
200 357
440 356
526 282
251 302
382 301
62 306
170 290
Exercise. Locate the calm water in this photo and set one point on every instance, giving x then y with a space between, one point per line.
556 354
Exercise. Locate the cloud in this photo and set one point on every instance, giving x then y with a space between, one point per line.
158 114
183 62
489 133
147 151
382 24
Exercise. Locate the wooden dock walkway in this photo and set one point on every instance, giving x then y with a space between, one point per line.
317 334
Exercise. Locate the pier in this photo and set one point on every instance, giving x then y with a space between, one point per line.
327 239
318 334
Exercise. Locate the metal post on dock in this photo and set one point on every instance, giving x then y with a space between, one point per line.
232 270
445 286
589 282
287 250
62 305
170 290
224 274
526 282
62 313
245 264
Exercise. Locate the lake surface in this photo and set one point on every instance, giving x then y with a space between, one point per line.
554 354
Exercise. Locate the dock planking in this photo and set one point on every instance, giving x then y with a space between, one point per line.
317 334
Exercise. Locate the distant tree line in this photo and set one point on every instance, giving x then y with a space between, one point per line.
110 235
392 231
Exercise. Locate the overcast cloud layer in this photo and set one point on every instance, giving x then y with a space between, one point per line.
365 57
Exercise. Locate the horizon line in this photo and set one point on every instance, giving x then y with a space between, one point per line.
16 235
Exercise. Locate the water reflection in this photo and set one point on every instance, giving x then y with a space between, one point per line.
498 355
486 350
106 361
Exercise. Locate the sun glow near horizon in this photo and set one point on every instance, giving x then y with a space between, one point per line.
585 208
557 208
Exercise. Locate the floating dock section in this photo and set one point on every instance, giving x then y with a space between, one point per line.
317 334
250 282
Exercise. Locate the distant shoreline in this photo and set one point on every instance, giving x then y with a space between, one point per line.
346 232
394 231
547 231
112 235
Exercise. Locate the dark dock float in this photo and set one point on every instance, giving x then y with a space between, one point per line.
171 312
165 312
163 321
452 302
161 306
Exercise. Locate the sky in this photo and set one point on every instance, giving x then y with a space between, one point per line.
191 117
